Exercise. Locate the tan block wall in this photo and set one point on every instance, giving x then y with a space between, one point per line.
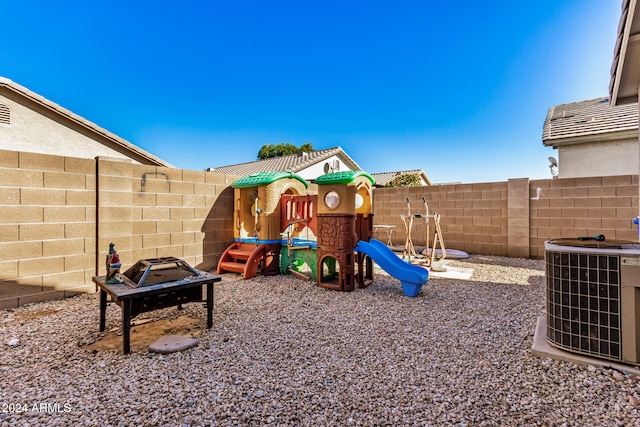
575 207
515 218
518 215
47 226
53 208
150 212
473 217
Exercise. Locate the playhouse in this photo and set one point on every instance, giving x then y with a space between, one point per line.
324 237
345 217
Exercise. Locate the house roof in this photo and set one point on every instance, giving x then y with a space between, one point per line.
290 163
383 178
591 120
625 69
10 87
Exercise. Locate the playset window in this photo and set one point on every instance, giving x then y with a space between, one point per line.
332 200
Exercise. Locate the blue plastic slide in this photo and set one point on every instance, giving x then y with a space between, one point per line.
412 277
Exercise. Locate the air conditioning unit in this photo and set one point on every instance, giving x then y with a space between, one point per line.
593 298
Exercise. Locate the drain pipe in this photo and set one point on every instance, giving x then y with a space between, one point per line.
97 220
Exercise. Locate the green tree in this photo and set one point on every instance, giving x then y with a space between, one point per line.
306 147
283 149
405 180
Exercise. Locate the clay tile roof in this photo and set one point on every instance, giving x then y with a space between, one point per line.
587 119
383 178
290 163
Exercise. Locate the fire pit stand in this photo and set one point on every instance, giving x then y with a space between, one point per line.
136 298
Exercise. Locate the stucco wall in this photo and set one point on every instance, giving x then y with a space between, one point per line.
314 171
598 159
34 131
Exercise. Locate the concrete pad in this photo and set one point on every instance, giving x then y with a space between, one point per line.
441 269
453 273
451 253
542 348
172 343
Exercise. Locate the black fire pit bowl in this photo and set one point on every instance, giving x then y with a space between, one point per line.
155 271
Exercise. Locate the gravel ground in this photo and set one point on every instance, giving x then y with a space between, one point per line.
286 352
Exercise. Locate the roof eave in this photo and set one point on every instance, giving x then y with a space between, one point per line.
626 41
605 136
426 178
352 163
72 117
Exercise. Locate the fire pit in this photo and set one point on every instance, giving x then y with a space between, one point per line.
149 272
152 284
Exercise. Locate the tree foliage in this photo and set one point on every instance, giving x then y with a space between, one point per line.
283 149
405 180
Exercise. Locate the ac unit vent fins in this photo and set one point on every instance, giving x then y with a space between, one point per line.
583 303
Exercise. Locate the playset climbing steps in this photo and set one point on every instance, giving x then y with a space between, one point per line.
242 258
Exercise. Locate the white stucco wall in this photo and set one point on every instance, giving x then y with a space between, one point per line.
598 159
32 132
314 171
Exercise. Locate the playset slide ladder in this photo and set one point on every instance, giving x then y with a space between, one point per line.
242 258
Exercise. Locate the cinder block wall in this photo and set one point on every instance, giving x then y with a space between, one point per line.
53 208
59 214
149 212
572 207
47 226
515 218
473 217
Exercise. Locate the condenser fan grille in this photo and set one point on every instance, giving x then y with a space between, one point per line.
583 303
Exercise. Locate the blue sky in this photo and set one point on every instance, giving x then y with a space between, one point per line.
458 89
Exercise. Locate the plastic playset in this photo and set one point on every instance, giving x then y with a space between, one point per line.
327 237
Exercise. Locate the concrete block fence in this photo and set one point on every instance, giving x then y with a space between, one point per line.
514 218
59 214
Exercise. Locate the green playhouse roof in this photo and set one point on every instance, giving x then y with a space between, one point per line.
265 178
342 177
